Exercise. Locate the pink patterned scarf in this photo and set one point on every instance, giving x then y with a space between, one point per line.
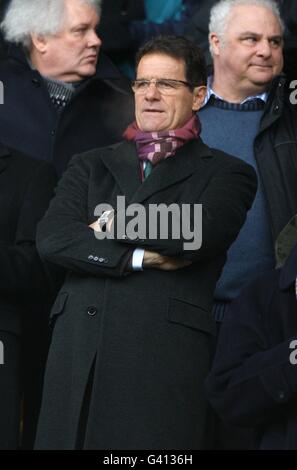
156 146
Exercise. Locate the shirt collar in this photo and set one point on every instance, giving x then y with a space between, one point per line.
210 92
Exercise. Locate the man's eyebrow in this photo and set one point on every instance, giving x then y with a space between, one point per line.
249 33
80 25
276 36
83 25
257 35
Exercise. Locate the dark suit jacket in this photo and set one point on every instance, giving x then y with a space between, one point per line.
27 287
26 187
253 383
149 334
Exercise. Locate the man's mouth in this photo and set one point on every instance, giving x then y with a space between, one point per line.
91 57
152 111
262 66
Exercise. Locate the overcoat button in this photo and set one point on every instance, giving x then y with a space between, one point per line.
92 311
91 257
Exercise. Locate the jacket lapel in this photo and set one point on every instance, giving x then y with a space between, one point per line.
125 168
289 271
173 169
124 165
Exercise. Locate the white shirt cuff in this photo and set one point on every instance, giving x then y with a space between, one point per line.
137 259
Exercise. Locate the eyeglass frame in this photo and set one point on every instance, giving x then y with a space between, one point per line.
157 80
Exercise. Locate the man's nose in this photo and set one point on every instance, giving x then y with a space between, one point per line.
264 48
93 39
152 92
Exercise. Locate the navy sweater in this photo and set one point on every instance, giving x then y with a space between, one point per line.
234 131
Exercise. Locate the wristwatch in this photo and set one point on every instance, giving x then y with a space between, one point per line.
103 219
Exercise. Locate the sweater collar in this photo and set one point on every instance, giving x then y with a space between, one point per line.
210 92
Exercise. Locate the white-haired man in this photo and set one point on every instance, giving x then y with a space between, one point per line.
59 98
57 101
248 113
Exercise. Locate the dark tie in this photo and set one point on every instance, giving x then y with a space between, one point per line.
148 169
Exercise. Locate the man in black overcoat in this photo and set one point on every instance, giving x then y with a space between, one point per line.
133 333
26 290
253 381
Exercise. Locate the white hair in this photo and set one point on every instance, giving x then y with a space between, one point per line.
45 17
220 14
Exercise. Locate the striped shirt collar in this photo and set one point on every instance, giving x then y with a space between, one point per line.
210 92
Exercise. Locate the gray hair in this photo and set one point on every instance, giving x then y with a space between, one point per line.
45 17
220 13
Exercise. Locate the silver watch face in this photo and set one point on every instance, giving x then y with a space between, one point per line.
103 219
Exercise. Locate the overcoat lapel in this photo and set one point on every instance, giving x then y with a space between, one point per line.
125 168
289 271
124 165
173 169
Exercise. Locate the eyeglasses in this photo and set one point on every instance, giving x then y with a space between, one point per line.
165 86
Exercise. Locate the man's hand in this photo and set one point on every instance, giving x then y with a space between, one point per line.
165 263
107 227
95 226
151 259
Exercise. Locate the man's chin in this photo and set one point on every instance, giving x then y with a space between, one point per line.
88 71
263 77
149 124
262 81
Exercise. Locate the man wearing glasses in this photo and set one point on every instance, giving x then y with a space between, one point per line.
133 332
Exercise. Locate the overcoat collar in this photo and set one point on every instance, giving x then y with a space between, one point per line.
124 165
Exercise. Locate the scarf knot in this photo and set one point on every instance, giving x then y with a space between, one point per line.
156 146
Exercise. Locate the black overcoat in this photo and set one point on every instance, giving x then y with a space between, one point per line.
26 188
253 381
27 288
148 335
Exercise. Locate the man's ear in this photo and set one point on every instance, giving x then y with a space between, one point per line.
215 43
39 42
198 97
